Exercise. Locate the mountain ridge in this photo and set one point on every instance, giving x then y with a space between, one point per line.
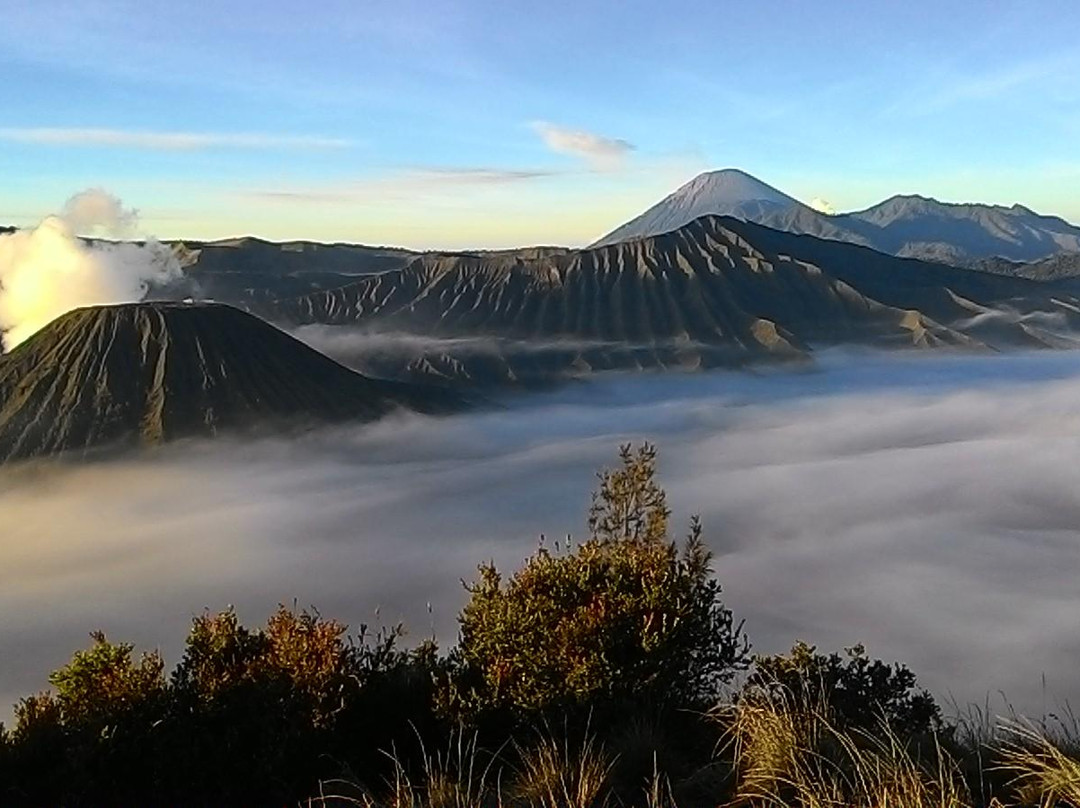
908 225
717 292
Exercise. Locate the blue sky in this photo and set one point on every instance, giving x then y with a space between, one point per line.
475 123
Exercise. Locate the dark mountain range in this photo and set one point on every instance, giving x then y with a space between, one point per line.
250 271
152 372
718 291
1058 267
246 271
922 227
910 226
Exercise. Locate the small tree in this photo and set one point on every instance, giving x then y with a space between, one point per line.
624 615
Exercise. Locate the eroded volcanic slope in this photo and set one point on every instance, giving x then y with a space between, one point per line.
717 291
152 372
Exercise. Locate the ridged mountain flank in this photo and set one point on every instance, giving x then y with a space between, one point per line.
715 292
147 373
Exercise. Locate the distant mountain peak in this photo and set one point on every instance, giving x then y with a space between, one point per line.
724 192
909 225
731 185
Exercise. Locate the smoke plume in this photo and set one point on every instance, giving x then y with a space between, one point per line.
97 212
48 270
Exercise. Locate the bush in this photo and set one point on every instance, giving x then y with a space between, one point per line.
92 734
264 714
583 677
857 692
249 716
625 616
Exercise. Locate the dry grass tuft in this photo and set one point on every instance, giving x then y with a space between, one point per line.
458 777
784 757
1043 774
560 774
798 757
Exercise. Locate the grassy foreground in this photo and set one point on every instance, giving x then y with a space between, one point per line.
605 673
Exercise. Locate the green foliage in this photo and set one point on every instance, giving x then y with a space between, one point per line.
104 681
629 505
267 712
299 657
624 615
98 688
858 692
91 729
249 716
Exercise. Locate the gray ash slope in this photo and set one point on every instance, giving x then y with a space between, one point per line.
152 372
717 291
247 271
905 225
250 271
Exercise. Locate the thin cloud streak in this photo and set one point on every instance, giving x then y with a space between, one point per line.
406 184
166 141
946 90
599 151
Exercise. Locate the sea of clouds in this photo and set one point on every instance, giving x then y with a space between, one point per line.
927 506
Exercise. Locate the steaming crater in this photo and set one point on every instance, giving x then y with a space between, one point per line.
48 271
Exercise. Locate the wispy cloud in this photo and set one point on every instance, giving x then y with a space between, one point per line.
166 141
406 184
476 176
947 89
599 151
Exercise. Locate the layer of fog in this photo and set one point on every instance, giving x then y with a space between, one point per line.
352 345
927 506
49 270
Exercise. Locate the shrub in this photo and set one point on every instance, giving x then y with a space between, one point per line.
100 686
91 733
249 716
855 691
265 713
300 658
625 616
